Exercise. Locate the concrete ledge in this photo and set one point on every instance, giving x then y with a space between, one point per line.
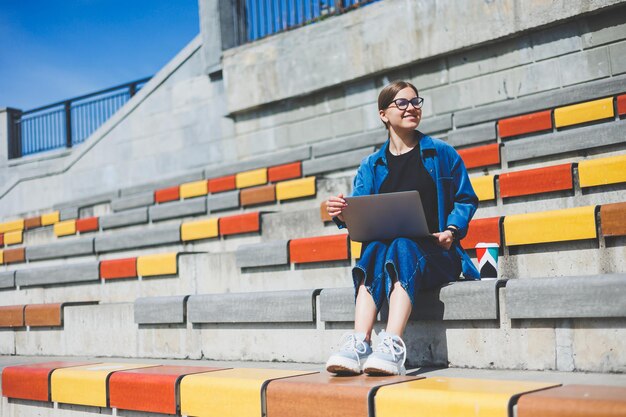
335 162
160 310
268 64
7 279
462 300
88 201
436 124
263 254
547 100
164 183
74 247
133 201
222 201
471 300
254 307
126 218
263 161
337 304
566 297
89 271
138 239
476 134
68 213
178 209
348 143
582 138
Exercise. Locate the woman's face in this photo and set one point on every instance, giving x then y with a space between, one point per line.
398 119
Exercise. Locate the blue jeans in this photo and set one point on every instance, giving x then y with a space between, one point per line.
418 264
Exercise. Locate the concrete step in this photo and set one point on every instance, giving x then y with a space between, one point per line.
198 273
582 342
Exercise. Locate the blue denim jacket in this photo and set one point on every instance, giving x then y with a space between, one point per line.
456 199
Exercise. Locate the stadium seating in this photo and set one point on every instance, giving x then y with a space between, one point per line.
241 257
230 392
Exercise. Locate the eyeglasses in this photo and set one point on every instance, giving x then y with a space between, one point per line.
403 103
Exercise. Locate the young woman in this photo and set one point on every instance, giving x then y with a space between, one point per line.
399 268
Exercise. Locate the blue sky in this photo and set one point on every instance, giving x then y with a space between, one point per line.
51 50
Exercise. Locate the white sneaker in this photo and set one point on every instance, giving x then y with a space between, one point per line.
388 357
350 358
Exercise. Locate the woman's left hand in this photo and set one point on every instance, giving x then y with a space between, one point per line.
444 239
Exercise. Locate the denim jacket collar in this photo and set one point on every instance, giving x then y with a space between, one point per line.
425 141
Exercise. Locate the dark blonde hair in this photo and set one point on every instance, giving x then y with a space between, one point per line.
387 94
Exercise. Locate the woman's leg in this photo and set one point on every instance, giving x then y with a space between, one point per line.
364 312
414 265
399 309
410 266
368 277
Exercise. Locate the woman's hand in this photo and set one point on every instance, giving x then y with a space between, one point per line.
444 239
335 205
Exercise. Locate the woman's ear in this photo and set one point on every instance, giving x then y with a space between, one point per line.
384 118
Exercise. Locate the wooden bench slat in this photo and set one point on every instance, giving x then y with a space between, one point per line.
325 394
536 181
434 396
602 171
31 382
233 392
89 224
251 178
574 401
13 256
12 316
481 156
550 226
218 185
613 219
200 229
284 172
153 390
241 223
258 195
118 268
40 315
32 222
584 112
527 123
167 194
65 228
86 385
319 249
485 230
194 189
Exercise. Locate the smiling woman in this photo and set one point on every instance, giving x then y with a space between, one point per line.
397 269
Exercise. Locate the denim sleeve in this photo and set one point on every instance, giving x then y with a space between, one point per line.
465 199
362 185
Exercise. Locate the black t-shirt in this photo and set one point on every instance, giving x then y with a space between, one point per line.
407 173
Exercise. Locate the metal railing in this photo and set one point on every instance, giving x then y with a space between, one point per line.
68 122
266 17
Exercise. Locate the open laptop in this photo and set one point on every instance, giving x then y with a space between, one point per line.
385 216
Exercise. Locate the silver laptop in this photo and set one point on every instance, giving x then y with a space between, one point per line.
385 216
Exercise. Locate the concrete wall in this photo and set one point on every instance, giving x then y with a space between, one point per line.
281 95
171 125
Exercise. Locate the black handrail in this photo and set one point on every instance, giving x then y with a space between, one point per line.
68 122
